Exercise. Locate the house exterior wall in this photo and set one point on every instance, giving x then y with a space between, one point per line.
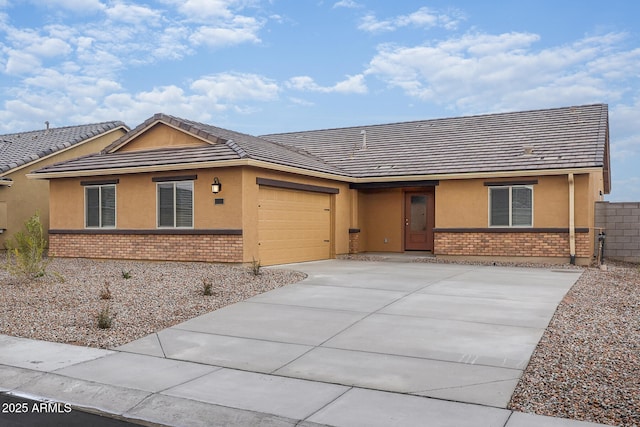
216 234
462 220
28 196
136 200
226 232
341 204
381 220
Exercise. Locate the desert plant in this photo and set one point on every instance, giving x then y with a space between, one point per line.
255 267
105 292
105 319
25 250
126 274
207 287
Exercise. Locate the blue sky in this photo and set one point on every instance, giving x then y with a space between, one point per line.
289 65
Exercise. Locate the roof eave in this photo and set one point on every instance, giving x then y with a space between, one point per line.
310 173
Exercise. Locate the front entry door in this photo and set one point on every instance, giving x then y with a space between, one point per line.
419 221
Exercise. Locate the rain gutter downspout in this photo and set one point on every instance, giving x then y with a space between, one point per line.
572 221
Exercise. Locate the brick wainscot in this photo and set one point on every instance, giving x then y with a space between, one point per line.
540 243
176 245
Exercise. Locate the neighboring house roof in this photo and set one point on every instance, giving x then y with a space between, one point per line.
19 149
560 138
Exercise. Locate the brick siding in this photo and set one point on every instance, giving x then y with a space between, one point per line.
520 244
160 247
354 242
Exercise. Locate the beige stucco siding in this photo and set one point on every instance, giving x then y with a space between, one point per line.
465 203
163 136
461 203
26 196
381 220
136 200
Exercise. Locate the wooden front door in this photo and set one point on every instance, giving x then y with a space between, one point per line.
419 221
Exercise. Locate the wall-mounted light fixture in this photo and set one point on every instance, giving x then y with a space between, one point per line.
216 187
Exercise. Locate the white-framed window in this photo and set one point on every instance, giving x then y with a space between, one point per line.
100 206
175 204
511 206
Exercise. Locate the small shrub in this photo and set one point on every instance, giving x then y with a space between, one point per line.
207 288
105 292
105 319
255 267
126 274
25 251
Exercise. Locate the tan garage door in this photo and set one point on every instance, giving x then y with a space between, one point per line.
293 226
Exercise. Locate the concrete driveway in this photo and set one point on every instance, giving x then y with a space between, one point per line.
372 344
455 332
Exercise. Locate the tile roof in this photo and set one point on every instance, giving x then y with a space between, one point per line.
225 145
560 138
129 159
18 149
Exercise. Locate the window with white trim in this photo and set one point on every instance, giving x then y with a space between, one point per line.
175 204
100 206
511 206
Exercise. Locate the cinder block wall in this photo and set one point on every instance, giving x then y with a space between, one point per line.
621 223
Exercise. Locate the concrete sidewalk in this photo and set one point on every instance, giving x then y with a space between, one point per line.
356 343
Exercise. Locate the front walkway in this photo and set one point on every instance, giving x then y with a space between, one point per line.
356 343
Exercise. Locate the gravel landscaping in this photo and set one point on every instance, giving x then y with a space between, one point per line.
64 305
587 364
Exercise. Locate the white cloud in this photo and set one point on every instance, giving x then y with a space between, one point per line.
73 5
236 87
349 4
625 142
422 18
72 69
50 47
211 12
480 72
19 62
246 31
202 10
40 44
352 84
133 14
302 102
78 99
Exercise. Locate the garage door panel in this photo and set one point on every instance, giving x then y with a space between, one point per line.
293 226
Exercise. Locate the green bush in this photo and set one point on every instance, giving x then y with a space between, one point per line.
105 319
255 267
25 250
207 288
